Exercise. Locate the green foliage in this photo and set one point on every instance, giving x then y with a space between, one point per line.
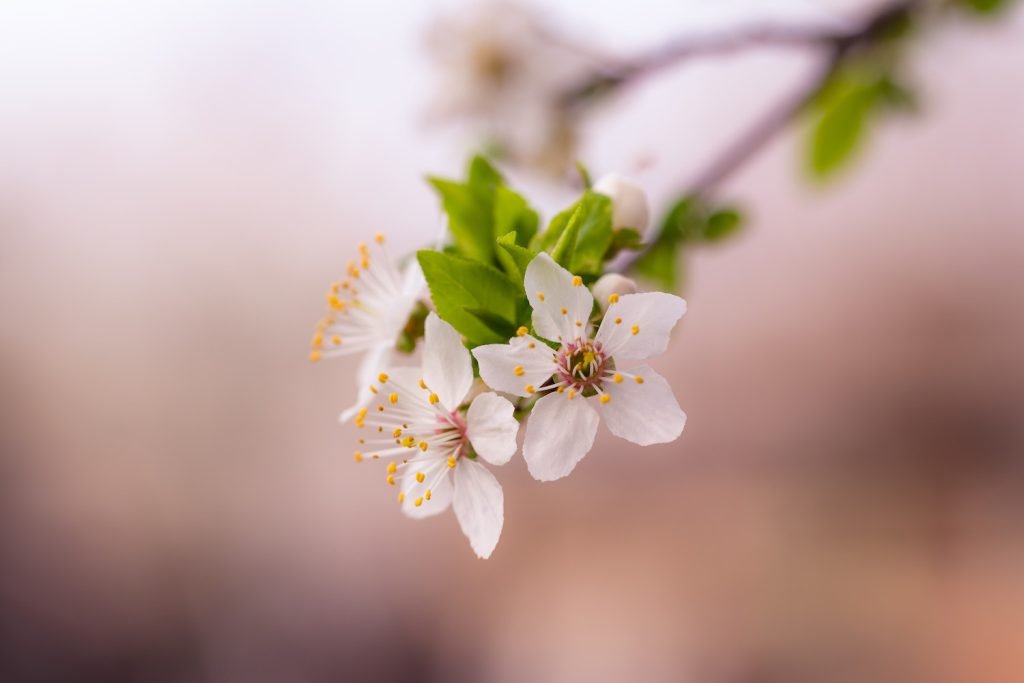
580 236
844 112
624 239
462 289
690 221
514 258
985 7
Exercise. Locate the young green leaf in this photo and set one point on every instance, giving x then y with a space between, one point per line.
469 218
846 108
513 257
458 285
513 213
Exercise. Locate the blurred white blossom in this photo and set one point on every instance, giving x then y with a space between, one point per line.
503 71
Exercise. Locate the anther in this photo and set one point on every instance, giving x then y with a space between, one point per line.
336 340
522 332
420 477
397 433
540 295
418 501
529 389
577 281
314 356
618 321
613 298
617 378
318 340
427 494
357 456
393 398
572 394
605 398
379 238
639 380
424 446
519 371
423 385
451 461
382 377
434 398
635 330
401 497
565 311
391 479
392 467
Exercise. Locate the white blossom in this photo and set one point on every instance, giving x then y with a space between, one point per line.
366 314
581 381
629 202
502 69
434 445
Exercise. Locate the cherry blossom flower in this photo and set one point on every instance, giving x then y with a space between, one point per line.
434 445
581 382
629 202
366 313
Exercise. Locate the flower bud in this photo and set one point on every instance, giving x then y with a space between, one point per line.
629 202
610 287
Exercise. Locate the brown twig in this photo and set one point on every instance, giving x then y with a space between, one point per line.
838 46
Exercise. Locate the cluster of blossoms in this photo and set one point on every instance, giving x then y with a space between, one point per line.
545 349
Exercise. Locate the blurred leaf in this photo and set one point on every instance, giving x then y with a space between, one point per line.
722 223
458 285
501 327
987 7
845 107
584 175
563 250
624 239
483 177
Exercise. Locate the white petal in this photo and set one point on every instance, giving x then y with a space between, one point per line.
642 413
637 326
413 281
373 363
549 281
440 490
629 202
447 368
498 364
479 506
560 432
492 428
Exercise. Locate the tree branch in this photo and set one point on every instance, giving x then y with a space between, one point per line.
838 46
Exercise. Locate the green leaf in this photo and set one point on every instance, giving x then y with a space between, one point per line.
482 175
624 239
501 327
845 106
986 6
722 223
469 218
458 286
513 213
513 257
595 234
584 175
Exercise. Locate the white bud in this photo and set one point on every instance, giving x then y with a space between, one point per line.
612 285
629 202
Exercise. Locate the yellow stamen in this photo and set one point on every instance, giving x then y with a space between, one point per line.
579 324
336 340
401 497
318 340
393 398
565 311
397 433
418 501
618 321
391 479
613 298
617 378
424 446
572 394
451 461
577 281
409 442
427 494
529 389
605 398
434 398
423 385
314 356
382 377
420 477
522 332
635 330
379 238
519 371
373 390
540 295
639 380
392 467
357 456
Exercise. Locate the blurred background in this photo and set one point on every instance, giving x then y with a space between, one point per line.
179 181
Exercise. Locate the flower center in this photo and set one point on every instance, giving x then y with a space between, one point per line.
582 364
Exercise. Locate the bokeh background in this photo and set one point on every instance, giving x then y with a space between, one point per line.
180 180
